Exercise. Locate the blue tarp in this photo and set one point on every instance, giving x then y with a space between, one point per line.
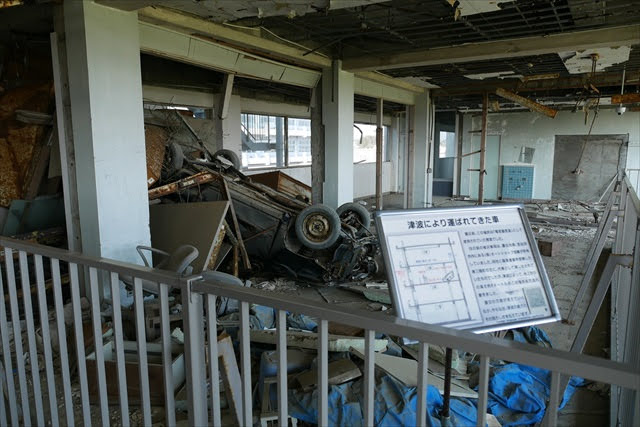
517 396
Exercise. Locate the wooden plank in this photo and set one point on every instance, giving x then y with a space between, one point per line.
405 371
230 375
310 340
197 224
627 98
525 102
225 192
340 371
188 182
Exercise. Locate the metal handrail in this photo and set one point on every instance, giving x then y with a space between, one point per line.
528 354
589 367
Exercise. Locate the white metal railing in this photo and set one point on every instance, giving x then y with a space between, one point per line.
26 403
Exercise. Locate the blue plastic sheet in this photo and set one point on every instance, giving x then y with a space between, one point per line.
517 396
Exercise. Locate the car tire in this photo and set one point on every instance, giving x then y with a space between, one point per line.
229 155
362 216
317 226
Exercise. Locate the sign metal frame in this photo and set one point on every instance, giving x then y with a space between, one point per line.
553 316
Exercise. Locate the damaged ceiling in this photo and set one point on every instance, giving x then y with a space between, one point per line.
347 29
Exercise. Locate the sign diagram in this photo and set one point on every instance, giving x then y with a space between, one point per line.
467 268
430 273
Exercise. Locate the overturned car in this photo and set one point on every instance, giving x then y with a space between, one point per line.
281 232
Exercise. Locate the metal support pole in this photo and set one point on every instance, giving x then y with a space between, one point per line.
379 143
445 415
483 147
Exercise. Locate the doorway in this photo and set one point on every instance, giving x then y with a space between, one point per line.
583 169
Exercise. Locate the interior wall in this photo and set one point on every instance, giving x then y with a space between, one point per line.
528 129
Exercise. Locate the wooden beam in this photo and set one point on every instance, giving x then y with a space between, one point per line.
225 95
526 46
627 98
525 102
379 135
483 147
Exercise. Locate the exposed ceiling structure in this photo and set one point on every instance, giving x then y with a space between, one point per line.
460 48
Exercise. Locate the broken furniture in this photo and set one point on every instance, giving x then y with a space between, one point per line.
178 261
155 367
283 183
195 223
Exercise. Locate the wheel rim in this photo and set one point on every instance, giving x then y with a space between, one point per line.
317 228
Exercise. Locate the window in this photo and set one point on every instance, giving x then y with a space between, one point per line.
364 143
447 146
275 141
299 142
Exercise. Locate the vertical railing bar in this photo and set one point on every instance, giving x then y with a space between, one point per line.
31 336
118 341
245 351
323 373
17 335
77 326
3 410
167 356
62 340
46 340
483 391
142 350
6 353
423 383
96 317
369 376
283 401
554 400
212 338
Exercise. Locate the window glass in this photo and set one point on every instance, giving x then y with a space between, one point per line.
262 141
447 147
364 143
299 141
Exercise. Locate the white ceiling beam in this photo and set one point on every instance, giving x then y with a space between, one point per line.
499 49
160 41
240 39
276 50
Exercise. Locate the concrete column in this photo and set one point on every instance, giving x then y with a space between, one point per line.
317 145
420 157
394 152
108 129
229 129
337 117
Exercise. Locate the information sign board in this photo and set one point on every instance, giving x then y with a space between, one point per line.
476 268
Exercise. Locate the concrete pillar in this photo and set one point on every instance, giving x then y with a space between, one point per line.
228 130
337 117
420 158
394 152
317 145
108 129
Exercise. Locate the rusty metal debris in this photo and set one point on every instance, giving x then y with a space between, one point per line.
277 230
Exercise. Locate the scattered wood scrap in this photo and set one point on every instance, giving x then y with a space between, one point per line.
230 375
340 371
182 184
406 371
310 340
